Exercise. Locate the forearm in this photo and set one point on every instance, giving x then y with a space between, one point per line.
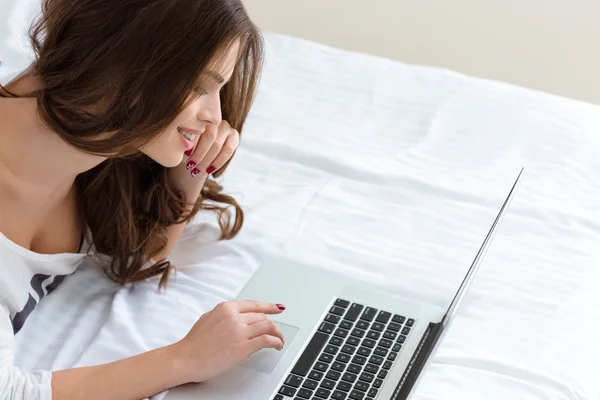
136 377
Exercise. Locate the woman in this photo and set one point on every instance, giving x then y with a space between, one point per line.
109 140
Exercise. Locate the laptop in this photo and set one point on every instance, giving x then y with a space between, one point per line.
344 340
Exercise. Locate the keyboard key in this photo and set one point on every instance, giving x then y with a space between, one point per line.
367 377
310 354
360 360
394 327
410 322
401 339
336 341
387 343
405 330
362 324
372 392
287 391
320 366
278 397
399 319
382 374
355 369
397 347
346 325
373 335
343 358
383 317
345 386
334 319
338 366
349 377
293 381
380 351
323 393
316 375
370 343
348 349
326 358
357 395
354 341
362 386
390 335
330 349
333 375
372 368
358 333
337 310
309 384
341 332
342 303
369 314
378 327
377 384
376 360
326 327
328 384
353 312
305 393
392 356
337 395
387 365
364 351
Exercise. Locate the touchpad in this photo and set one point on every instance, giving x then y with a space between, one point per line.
265 360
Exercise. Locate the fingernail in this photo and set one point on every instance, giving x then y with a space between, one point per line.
210 170
281 307
190 165
195 172
189 152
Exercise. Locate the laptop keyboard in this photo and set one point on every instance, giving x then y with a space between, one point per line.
349 356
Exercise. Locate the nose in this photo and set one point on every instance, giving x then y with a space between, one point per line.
209 110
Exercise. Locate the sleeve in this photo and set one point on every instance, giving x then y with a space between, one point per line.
16 384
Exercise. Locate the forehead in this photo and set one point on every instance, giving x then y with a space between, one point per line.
226 60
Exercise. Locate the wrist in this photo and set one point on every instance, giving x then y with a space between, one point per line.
178 364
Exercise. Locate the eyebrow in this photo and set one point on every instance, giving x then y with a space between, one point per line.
216 76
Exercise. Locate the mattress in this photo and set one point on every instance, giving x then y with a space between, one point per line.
391 173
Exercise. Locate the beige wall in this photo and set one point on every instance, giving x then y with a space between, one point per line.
550 45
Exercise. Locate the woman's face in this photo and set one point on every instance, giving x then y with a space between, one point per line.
183 133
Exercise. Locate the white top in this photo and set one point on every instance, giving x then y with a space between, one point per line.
26 277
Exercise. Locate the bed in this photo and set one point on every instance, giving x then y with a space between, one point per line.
391 173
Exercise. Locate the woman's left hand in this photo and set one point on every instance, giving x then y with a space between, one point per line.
215 147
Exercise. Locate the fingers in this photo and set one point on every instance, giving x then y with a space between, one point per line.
263 342
226 150
245 306
204 145
267 327
212 153
253 318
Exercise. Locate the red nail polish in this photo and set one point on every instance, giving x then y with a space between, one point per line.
195 172
190 165
189 152
210 169
281 307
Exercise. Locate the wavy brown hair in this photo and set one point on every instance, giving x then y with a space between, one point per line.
141 60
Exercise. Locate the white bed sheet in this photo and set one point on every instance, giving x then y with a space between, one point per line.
391 173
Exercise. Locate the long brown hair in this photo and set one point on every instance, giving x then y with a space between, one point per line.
140 59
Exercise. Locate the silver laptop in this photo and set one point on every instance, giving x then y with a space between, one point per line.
344 340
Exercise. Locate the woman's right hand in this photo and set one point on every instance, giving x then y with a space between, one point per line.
226 336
